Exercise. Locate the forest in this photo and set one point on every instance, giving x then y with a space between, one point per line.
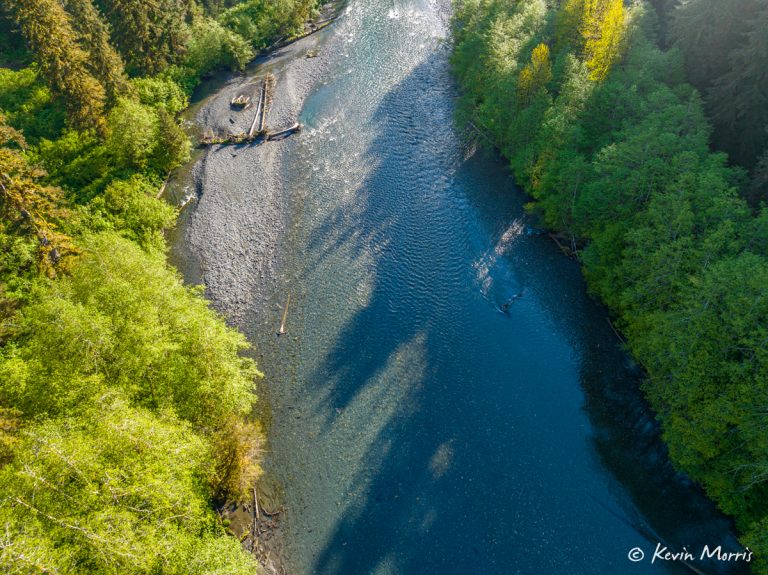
125 401
638 128
640 132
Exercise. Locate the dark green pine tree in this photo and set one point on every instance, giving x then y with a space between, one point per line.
707 31
759 186
63 62
739 98
105 63
665 9
149 35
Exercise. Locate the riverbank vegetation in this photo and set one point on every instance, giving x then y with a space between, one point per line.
640 132
125 401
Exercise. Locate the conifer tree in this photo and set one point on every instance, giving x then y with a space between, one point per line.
706 31
63 62
664 9
759 185
149 35
105 63
33 207
739 98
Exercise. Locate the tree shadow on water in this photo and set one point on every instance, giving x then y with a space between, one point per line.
450 481
400 212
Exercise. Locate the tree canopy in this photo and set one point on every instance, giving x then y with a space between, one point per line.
725 43
48 29
116 489
125 401
594 114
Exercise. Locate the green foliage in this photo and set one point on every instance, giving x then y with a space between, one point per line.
212 46
141 138
149 35
716 366
18 256
618 157
260 20
76 161
132 129
739 98
157 91
493 46
104 61
10 422
27 104
568 24
27 204
125 400
535 76
123 320
29 240
759 184
113 490
172 147
62 61
757 538
130 207
725 44
238 447
706 31
13 51
603 28
595 28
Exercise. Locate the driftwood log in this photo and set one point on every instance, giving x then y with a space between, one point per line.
258 111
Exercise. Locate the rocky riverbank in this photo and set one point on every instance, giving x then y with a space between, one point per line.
230 235
233 231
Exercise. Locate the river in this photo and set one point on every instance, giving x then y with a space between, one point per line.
417 429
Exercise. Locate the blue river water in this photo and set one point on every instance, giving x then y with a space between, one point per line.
417 429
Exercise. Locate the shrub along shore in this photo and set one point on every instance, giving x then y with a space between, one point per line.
125 401
613 145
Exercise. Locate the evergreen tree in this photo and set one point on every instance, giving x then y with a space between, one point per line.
739 98
24 200
105 63
149 35
665 9
725 43
172 146
706 31
759 185
64 64
13 51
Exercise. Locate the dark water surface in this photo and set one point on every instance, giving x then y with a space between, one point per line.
417 429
